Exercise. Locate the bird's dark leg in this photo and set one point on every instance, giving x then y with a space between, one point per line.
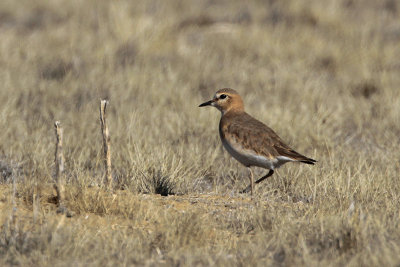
265 176
247 189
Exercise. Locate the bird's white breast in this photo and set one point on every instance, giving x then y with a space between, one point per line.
249 157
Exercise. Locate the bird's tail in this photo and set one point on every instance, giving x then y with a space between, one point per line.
290 153
308 161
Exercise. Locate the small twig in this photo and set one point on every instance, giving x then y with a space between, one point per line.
59 160
13 218
106 143
35 201
14 203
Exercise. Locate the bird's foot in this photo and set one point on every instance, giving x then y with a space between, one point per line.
246 190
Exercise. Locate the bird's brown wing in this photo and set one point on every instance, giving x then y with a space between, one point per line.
259 137
251 133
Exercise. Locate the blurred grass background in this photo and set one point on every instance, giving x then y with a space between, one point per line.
324 74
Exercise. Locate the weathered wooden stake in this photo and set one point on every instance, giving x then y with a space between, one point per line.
13 220
106 143
59 160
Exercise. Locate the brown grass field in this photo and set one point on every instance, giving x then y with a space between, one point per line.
325 75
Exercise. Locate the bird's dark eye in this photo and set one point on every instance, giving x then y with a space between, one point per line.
222 96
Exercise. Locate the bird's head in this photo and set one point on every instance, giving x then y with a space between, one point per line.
225 100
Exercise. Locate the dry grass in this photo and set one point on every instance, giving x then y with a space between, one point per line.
324 74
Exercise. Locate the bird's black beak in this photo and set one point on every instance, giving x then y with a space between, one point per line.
208 103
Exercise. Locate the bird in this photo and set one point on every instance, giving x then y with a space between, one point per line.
248 140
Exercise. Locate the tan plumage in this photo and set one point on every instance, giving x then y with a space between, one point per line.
248 140
256 136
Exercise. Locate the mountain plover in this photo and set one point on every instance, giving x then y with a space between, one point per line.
248 140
